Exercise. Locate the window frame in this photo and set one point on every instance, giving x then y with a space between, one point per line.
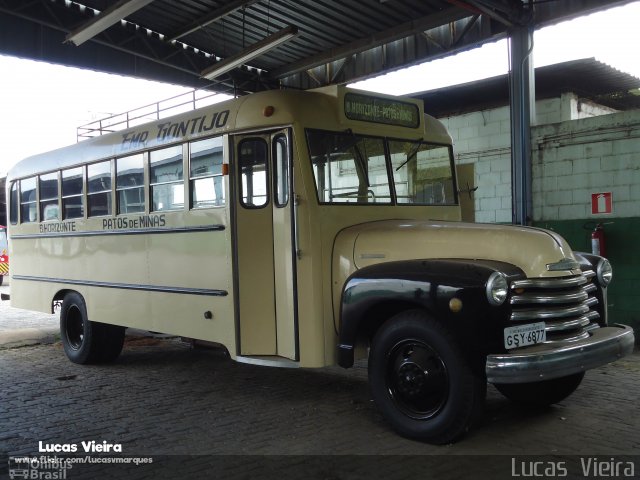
389 171
14 203
283 140
180 181
109 191
80 195
267 173
192 179
44 202
141 187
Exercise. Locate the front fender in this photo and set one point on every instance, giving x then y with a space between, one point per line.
375 293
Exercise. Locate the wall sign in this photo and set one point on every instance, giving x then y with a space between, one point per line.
601 203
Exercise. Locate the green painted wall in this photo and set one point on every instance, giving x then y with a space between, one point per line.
623 251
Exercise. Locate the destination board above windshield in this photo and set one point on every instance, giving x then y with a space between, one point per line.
381 110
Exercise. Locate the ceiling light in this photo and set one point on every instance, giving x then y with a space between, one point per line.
249 53
104 20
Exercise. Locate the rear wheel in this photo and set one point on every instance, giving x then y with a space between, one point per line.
419 379
542 393
85 341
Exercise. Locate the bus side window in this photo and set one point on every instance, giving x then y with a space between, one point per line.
205 173
253 156
99 189
72 193
49 197
28 207
13 204
130 184
167 185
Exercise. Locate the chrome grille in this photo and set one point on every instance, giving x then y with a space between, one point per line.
565 304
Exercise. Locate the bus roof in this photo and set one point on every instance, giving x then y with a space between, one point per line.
322 108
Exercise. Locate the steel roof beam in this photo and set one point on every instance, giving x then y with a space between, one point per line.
104 20
212 17
386 36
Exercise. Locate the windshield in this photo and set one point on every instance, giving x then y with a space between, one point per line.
350 168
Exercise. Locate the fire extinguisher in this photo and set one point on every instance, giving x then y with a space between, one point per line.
598 244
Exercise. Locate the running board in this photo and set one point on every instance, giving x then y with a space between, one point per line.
268 361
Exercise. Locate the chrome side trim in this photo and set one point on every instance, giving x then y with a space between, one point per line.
546 361
549 313
562 282
124 286
574 297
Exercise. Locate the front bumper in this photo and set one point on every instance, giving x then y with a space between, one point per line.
547 361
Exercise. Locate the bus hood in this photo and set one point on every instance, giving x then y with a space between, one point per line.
530 249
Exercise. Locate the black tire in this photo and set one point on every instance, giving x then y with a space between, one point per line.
421 382
543 393
85 341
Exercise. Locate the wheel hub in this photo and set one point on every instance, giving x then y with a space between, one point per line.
417 379
411 379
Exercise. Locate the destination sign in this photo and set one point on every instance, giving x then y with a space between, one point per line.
381 110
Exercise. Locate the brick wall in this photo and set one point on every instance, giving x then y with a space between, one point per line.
572 160
484 138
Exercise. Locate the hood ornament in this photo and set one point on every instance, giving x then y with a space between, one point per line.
564 264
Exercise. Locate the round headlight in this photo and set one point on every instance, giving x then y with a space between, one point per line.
605 272
497 289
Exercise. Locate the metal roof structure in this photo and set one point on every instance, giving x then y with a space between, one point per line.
241 46
587 77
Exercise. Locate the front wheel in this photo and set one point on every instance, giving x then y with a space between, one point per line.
420 380
543 393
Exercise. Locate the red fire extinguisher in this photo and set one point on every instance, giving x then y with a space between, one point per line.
598 244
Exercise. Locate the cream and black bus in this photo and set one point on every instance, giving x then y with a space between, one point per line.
306 229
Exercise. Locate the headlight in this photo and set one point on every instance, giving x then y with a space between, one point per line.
497 289
605 272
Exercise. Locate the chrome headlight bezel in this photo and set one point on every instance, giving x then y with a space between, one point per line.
497 289
604 272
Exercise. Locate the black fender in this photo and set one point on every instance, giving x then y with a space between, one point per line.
375 293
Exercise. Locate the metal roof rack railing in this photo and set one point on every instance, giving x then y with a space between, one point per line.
154 111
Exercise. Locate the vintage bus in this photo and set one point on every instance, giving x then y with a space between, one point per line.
307 229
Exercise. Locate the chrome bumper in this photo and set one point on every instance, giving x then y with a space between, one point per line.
547 361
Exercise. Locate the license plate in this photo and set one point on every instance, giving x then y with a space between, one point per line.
523 335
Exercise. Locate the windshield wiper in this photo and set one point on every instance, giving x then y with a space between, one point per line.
412 153
359 157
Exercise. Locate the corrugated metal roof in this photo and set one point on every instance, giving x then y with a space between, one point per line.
588 78
338 40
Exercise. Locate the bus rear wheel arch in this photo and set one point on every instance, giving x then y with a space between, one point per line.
85 341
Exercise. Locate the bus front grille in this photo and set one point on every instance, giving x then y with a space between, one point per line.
565 304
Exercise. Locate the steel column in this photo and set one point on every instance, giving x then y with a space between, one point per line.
522 100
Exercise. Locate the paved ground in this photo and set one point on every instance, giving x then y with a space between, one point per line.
198 414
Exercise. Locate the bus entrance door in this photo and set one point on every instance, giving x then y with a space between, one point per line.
264 246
